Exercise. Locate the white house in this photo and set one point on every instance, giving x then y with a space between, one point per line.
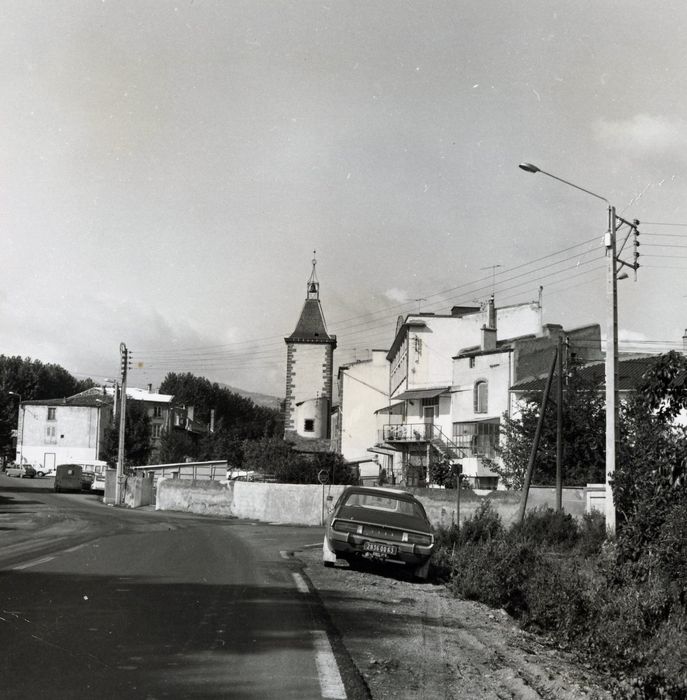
71 430
417 425
362 387
62 431
481 392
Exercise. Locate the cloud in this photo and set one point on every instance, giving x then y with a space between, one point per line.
397 295
642 135
627 336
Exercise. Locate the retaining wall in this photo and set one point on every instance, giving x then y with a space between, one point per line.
307 504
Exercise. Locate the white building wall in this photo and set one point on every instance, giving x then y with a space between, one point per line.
431 350
75 435
494 368
363 390
309 362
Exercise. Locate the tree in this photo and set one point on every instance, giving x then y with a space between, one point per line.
584 441
136 437
650 478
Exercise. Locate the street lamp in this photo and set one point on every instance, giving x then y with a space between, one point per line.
611 335
21 438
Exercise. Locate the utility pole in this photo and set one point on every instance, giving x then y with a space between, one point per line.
614 263
559 428
124 360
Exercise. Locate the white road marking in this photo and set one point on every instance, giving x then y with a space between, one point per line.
301 585
32 563
331 684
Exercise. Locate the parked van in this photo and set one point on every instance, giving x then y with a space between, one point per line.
70 477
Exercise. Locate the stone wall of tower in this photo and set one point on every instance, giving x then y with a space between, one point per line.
309 375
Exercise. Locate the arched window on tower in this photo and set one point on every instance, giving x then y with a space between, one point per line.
480 396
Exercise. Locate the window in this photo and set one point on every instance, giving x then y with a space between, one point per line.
472 362
156 430
157 411
309 425
51 413
50 438
478 439
480 397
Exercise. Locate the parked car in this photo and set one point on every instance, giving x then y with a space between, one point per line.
71 477
23 471
45 471
379 523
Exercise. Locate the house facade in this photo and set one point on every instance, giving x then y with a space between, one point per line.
72 429
416 428
362 388
481 393
62 431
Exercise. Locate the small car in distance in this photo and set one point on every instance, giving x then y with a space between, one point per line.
379 523
23 471
45 471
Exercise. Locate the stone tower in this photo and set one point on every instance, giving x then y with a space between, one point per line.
309 371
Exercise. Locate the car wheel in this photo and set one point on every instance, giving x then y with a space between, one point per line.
328 554
40 474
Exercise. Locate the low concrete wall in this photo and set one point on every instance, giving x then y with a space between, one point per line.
440 504
138 491
305 504
296 504
202 497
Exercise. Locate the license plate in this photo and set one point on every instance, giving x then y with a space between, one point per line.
385 550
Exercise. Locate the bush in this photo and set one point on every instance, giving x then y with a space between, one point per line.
628 616
485 524
547 527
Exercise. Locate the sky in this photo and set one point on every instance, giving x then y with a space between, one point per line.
168 169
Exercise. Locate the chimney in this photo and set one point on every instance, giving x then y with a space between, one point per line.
150 388
489 328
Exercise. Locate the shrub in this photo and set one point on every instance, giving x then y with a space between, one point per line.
485 524
547 527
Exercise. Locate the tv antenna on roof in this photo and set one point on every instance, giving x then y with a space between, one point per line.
419 301
493 276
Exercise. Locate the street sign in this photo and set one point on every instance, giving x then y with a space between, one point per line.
323 476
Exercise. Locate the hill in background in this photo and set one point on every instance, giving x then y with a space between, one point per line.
258 399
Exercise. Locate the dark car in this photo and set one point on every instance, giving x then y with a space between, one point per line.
379 523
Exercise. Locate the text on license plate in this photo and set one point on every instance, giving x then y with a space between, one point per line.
380 548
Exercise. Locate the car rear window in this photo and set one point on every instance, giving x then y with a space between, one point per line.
379 502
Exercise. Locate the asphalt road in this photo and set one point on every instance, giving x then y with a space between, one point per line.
98 602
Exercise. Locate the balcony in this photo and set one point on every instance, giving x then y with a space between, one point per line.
400 434
408 432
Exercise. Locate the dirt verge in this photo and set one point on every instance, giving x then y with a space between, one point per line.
413 640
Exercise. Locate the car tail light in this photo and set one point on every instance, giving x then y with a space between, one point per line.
414 538
344 526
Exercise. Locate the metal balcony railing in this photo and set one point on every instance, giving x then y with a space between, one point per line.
421 433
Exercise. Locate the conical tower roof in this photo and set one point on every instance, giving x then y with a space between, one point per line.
311 326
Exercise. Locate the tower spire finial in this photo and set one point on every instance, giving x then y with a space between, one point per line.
313 286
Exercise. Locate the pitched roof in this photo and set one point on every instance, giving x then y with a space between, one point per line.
630 373
89 398
311 327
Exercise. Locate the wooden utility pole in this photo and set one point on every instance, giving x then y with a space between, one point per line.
535 443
